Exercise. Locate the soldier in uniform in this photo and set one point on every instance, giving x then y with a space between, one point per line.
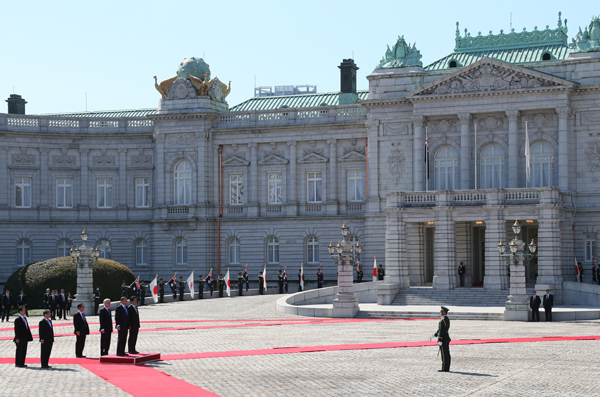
209 281
161 291
380 273
285 281
96 301
461 274
280 282
240 283
173 285
444 339
135 288
142 293
359 274
221 284
124 289
261 286
181 288
320 279
200 287
300 280
247 278
594 273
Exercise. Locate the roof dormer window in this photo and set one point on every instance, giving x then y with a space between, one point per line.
546 56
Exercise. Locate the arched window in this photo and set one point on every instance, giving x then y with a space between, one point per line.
313 250
445 168
141 253
181 252
23 252
63 247
273 250
183 183
492 167
104 247
453 64
542 164
234 251
546 56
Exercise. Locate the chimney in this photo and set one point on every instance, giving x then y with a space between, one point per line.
16 104
348 82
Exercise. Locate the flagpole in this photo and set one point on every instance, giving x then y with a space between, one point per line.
476 166
527 156
426 160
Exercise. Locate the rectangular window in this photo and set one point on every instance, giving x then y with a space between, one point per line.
590 247
355 186
23 192
315 187
64 193
274 188
104 193
142 192
236 188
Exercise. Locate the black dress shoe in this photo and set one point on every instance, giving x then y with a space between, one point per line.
46 367
134 352
121 355
21 366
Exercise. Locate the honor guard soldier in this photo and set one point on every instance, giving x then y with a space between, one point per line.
285 281
300 280
461 274
161 291
359 274
209 281
124 289
200 287
181 288
221 284
280 282
261 286
240 283
380 273
444 339
142 293
320 280
247 278
173 285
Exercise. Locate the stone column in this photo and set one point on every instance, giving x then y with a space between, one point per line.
84 186
563 148
202 195
517 307
496 274
445 274
513 148
419 153
159 172
345 303
414 253
85 282
121 193
333 180
217 181
4 189
44 209
465 150
292 199
549 254
373 156
253 204
396 265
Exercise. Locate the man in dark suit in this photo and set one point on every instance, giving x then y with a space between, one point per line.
134 325
534 303
7 304
22 301
46 298
122 323
548 304
320 279
106 328
62 299
46 332
82 329
53 304
59 306
22 337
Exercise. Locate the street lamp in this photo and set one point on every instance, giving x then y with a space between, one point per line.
346 254
339 248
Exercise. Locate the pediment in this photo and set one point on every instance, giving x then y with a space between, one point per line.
489 75
352 155
313 158
235 160
273 159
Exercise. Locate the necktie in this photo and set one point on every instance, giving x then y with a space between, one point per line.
83 317
125 309
25 320
49 323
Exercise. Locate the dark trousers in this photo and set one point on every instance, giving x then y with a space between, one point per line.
241 288
45 354
161 297
53 313
59 312
6 313
247 285
104 343
181 295
133 334
286 287
548 310
21 353
280 287
201 293
79 345
121 341
535 314
445 350
210 285
220 292
462 280
261 289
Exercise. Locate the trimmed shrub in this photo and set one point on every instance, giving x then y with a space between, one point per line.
61 273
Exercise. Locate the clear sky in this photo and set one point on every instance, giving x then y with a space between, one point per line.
53 52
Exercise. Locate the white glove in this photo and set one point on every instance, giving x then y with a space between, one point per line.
432 336
440 343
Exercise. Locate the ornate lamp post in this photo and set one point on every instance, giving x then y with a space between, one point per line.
84 258
516 308
347 255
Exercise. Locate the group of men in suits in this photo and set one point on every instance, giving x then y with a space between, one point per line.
535 302
58 304
23 336
127 322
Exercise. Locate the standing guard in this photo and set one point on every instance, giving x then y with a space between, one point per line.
280 282
161 291
200 287
240 283
181 288
221 284
247 278
444 339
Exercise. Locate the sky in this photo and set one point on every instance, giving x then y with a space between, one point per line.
56 54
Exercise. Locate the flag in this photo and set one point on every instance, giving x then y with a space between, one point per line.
576 268
265 278
527 155
227 283
302 276
375 269
137 283
154 290
190 284
358 268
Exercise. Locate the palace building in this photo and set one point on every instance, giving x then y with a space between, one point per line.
429 168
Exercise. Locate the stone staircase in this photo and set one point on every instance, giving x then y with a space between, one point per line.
427 296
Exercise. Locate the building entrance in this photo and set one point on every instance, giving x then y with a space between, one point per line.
478 255
531 270
429 255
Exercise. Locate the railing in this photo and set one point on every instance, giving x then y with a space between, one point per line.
235 210
178 210
234 118
312 114
351 112
63 123
273 209
469 197
353 207
22 122
419 199
313 208
82 125
104 124
522 196
272 116
140 123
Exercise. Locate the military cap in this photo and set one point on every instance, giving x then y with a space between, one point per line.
444 308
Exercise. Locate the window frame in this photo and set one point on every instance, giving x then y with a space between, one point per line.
65 189
312 253
21 194
23 252
105 248
236 188
487 161
277 183
444 170
272 251
65 250
358 185
181 244
317 181
590 246
537 167
104 185
143 246
182 180
144 189
234 243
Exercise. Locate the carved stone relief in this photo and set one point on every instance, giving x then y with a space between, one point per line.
444 125
23 159
103 160
316 151
590 117
64 160
490 123
592 157
354 149
539 120
141 159
279 153
396 162
180 139
395 128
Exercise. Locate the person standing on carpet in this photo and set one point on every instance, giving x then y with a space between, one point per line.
46 332
106 328
444 339
22 301
22 337
134 325
122 323
82 329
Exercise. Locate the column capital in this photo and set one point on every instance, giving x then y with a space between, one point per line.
465 118
84 150
563 112
44 150
513 115
331 141
252 145
371 124
418 120
291 143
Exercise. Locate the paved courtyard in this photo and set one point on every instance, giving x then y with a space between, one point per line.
245 347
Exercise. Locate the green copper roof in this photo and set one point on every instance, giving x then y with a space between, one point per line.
108 114
293 101
509 55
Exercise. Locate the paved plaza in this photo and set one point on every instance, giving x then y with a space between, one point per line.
245 347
